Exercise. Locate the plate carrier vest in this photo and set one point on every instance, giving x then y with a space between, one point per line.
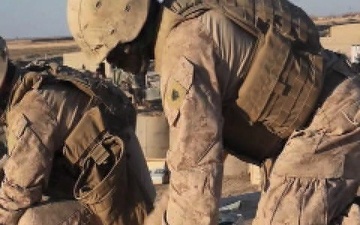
284 75
96 146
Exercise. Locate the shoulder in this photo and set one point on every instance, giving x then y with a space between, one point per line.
210 33
189 39
189 36
47 100
32 118
32 105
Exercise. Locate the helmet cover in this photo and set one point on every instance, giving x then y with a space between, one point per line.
99 25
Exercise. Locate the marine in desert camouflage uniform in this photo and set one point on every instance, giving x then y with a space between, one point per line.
38 180
203 59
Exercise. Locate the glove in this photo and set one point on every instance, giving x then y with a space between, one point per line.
157 215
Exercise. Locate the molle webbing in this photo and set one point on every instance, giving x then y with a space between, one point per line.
102 92
285 73
99 91
118 114
186 8
256 16
97 145
281 87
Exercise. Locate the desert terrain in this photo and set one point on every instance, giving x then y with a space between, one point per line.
31 49
337 20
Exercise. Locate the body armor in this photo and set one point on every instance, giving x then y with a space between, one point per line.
98 147
284 76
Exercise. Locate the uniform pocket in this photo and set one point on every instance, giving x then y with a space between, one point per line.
177 88
310 154
16 131
296 200
347 120
340 112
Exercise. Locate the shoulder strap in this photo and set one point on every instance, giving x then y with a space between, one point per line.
256 17
187 8
110 98
101 91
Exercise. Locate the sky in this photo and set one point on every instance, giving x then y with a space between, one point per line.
47 18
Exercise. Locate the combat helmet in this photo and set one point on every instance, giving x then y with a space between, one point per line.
3 60
99 25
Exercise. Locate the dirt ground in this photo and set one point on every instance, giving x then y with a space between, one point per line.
232 186
33 49
238 187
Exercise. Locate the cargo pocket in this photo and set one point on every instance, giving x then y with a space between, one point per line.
177 88
338 119
327 147
292 200
309 154
195 188
16 131
21 173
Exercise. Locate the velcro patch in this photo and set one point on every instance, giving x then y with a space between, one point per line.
179 83
175 94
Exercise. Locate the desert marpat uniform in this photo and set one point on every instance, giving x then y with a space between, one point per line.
196 78
38 123
37 126
242 76
201 61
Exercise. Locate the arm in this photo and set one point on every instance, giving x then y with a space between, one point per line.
31 144
192 104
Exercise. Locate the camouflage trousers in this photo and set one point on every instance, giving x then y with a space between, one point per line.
315 179
65 212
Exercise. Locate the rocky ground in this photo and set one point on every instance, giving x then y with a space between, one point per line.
241 188
35 49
